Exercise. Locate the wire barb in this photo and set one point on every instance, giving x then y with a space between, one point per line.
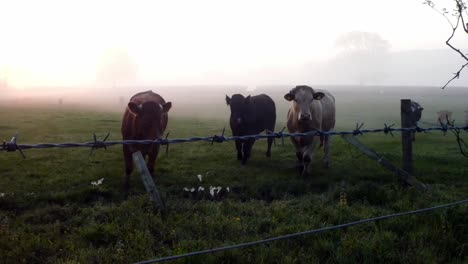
97 144
357 131
280 135
219 139
419 129
388 129
12 145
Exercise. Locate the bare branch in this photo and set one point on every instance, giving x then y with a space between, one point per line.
462 146
459 13
442 13
456 75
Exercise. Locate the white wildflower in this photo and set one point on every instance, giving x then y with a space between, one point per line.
98 182
200 177
186 189
192 190
201 189
2 194
228 189
219 189
212 191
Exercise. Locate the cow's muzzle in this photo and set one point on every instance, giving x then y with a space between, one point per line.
304 117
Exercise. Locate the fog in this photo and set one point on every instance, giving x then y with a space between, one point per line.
97 55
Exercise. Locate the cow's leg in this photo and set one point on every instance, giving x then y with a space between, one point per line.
270 141
299 154
306 159
153 153
247 150
239 149
307 156
326 148
128 166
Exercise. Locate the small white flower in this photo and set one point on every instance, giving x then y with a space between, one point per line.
212 191
192 190
98 182
201 189
186 189
2 194
228 189
219 189
200 177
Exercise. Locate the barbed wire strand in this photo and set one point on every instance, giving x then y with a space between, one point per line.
294 235
13 145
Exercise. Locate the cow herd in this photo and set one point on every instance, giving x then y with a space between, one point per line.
146 118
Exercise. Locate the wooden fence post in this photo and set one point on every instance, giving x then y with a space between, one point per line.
150 187
406 141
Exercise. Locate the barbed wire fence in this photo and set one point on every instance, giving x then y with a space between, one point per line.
13 145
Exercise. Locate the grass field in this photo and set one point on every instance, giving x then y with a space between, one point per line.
51 213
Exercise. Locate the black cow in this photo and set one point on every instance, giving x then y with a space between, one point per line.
251 115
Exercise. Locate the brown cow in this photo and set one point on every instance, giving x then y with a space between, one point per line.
310 110
145 118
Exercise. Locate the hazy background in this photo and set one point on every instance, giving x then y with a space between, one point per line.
99 53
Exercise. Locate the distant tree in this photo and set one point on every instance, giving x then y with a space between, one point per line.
116 68
454 17
365 53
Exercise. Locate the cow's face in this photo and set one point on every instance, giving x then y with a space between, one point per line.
303 96
240 108
149 117
416 111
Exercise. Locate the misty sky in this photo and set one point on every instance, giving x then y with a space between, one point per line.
195 42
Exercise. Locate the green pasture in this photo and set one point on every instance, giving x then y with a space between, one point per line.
51 213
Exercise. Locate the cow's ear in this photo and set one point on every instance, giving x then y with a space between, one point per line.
228 100
134 108
318 95
289 96
166 107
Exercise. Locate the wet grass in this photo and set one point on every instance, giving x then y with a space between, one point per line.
50 212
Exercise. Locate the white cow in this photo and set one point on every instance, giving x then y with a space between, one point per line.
310 110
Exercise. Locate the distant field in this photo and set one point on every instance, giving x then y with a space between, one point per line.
50 212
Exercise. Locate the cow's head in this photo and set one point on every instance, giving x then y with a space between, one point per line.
416 112
241 108
303 96
149 117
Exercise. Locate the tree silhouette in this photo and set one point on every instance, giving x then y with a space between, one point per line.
364 53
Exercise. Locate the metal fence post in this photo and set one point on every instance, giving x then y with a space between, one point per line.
406 136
